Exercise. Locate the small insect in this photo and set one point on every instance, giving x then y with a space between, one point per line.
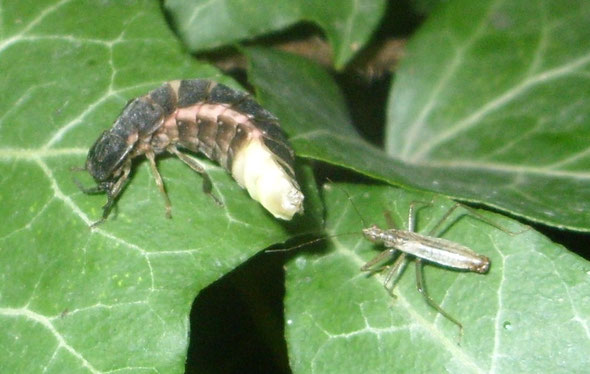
422 247
201 116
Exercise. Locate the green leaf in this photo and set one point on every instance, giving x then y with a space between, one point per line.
117 297
492 99
426 6
208 24
314 113
529 313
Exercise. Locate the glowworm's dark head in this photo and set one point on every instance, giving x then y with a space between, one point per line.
106 156
139 117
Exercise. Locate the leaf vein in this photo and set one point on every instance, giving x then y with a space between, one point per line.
40 17
519 169
475 117
66 199
442 82
498 322
45 322
434 333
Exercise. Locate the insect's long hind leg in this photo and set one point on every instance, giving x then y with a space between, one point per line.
443 219
420 284
471 212
412 213
207 184
151 158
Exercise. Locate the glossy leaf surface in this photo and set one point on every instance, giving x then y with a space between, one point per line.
206 24
115 298
529 313
314 113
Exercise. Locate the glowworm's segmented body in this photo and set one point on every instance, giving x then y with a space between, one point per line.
226 125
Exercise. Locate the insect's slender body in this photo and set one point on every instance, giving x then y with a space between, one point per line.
422 247
226 125
437 250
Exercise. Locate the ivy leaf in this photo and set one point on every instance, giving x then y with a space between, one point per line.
529 313
425 6
491 99
207 24
117 297
313 110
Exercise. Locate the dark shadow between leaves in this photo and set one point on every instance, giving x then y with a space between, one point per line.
237 323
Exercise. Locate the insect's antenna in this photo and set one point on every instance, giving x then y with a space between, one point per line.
310 242
356 210
482 218
87 190
79 184
353 205
294 247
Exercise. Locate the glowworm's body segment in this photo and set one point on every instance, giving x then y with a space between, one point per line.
226 125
